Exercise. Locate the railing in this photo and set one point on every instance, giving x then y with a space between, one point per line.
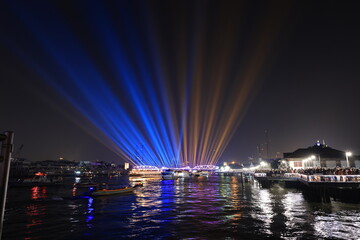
331 178
260 175
317 178
269 174
292 175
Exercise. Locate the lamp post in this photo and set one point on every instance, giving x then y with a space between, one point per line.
348 154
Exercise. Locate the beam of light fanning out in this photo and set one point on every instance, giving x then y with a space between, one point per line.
158 89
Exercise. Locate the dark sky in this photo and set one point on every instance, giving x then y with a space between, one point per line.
307 90
311 90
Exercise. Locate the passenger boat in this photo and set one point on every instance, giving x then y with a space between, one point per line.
182 174
201 174
204 173
168 174
145 171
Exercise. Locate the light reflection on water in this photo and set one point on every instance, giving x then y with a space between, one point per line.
343 224
38 192
215 207
263 210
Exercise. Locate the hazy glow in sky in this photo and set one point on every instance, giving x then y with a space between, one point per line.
180 83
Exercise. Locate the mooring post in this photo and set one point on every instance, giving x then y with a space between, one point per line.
5 155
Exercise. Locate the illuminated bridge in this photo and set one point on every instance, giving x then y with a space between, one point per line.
206 168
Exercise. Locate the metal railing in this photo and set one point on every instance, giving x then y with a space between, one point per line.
317 178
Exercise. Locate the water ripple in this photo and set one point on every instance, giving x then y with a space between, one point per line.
193 208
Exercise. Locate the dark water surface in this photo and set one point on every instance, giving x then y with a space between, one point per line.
215 207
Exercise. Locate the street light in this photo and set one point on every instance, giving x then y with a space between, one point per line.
348 154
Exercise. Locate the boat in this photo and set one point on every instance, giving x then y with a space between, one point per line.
168 174
145 171
201 174
106 192
39 179
204 173
86 184
182 174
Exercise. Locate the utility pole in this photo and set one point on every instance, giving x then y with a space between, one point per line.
5 155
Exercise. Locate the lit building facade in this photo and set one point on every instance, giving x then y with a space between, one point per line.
320 155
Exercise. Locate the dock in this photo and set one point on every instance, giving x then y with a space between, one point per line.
317 187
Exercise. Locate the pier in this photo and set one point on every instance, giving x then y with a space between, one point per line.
317 187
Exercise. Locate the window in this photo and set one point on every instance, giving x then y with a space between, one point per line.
297 164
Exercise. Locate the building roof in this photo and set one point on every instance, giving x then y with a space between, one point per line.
318 149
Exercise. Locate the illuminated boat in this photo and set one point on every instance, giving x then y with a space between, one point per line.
201 174
204 173
145 171
106 192
182 174
168 174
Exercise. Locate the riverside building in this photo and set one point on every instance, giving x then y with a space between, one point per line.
320 155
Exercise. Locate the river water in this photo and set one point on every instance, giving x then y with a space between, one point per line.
215 207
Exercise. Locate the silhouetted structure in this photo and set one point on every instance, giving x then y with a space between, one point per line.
319 155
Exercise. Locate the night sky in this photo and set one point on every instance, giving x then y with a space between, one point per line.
299 59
